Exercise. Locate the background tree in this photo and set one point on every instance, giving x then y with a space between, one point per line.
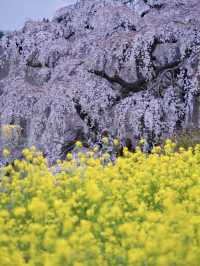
1 34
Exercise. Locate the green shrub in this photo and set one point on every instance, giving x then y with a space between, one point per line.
186 138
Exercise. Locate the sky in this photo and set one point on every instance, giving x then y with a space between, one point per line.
13 13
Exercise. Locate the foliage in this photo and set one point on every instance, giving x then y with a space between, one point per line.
1 34
142 210
11 135
186 138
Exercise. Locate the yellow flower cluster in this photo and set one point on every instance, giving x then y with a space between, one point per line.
8 131
143 210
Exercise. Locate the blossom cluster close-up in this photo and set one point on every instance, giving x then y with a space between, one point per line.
142 209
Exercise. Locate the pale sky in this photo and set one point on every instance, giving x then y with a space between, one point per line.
13 13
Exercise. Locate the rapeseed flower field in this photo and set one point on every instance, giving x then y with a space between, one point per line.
142 210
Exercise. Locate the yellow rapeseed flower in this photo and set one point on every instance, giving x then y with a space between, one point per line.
105 140
6 153
143 209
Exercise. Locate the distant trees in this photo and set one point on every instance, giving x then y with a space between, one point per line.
1 34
